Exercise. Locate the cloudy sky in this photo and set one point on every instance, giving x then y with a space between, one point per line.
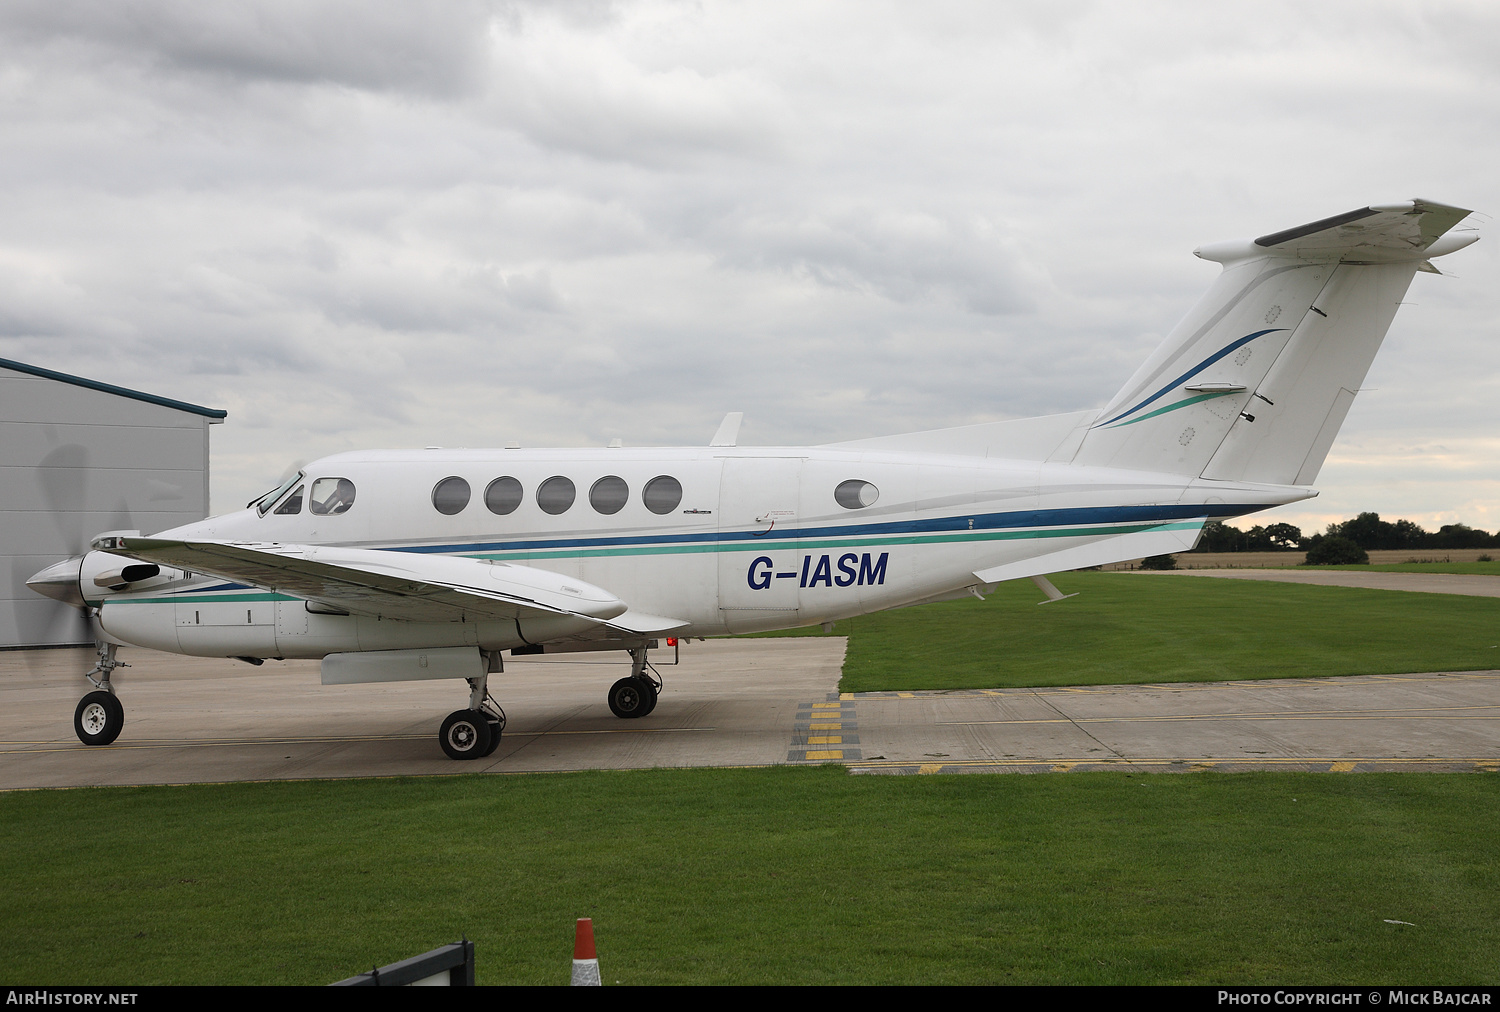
356 225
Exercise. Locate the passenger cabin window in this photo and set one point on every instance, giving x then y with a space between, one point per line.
609 495
450 496
503 496
662 494
292 505
556 495
331 496
855 494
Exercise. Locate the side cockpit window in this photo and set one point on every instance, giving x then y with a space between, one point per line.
331 496
265 502
291 504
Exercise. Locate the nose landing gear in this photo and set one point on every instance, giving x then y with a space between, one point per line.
99 716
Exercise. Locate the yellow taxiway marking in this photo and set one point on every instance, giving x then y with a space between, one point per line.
832 753
846 696
827 706
826 739
825 727
1341 767
1062 767
929 767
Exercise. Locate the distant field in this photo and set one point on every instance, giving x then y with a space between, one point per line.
1462 568
778 876
1124 628
1279 560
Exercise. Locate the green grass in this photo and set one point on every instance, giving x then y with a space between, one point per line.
789 875
1134 628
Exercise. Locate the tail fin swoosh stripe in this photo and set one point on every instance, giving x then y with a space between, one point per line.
1173 407
1195 370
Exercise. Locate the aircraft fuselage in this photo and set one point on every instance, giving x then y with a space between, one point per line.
757 540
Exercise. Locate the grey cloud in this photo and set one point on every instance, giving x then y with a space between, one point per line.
576 91
436 47
464 223
902 255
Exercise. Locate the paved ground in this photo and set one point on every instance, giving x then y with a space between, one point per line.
730 702
1425 583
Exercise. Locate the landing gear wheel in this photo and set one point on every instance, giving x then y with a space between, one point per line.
496 726
99 718
466 735
632 697
648 689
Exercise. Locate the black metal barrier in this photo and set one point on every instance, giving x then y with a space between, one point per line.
450 966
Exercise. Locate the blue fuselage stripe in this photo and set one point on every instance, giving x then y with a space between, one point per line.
1084 515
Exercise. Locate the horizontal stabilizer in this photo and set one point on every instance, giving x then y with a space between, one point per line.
1381 233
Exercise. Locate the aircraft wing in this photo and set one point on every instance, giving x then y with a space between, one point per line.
409 586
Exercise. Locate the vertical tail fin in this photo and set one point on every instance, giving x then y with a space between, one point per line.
1254 383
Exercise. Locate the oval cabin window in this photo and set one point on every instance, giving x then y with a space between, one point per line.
450 496
662 494
855 494
609 495
556 495
503 496
331 496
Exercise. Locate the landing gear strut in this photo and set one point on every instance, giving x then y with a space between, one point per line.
99 716
475 733
636 694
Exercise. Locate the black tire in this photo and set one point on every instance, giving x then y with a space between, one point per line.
465 735
630 697
648 690
99 718
495 728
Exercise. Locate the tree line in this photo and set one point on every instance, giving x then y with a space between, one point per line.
1366 531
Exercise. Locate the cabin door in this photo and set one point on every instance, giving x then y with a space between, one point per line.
760 556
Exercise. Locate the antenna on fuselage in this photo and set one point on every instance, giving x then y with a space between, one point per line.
729 430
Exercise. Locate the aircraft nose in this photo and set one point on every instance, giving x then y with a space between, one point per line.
60 582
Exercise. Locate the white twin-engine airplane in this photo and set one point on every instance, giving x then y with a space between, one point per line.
408 564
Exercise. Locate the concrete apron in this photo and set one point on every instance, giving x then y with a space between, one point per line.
730 703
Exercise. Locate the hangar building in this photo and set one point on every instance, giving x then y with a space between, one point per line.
79 457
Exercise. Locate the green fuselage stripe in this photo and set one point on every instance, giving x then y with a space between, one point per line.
783 545
792 544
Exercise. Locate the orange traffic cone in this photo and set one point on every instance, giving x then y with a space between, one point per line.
585 961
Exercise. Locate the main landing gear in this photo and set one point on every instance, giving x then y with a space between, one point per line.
99 716
474 733
635 695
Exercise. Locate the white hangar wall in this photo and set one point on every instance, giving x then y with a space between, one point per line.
79 457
